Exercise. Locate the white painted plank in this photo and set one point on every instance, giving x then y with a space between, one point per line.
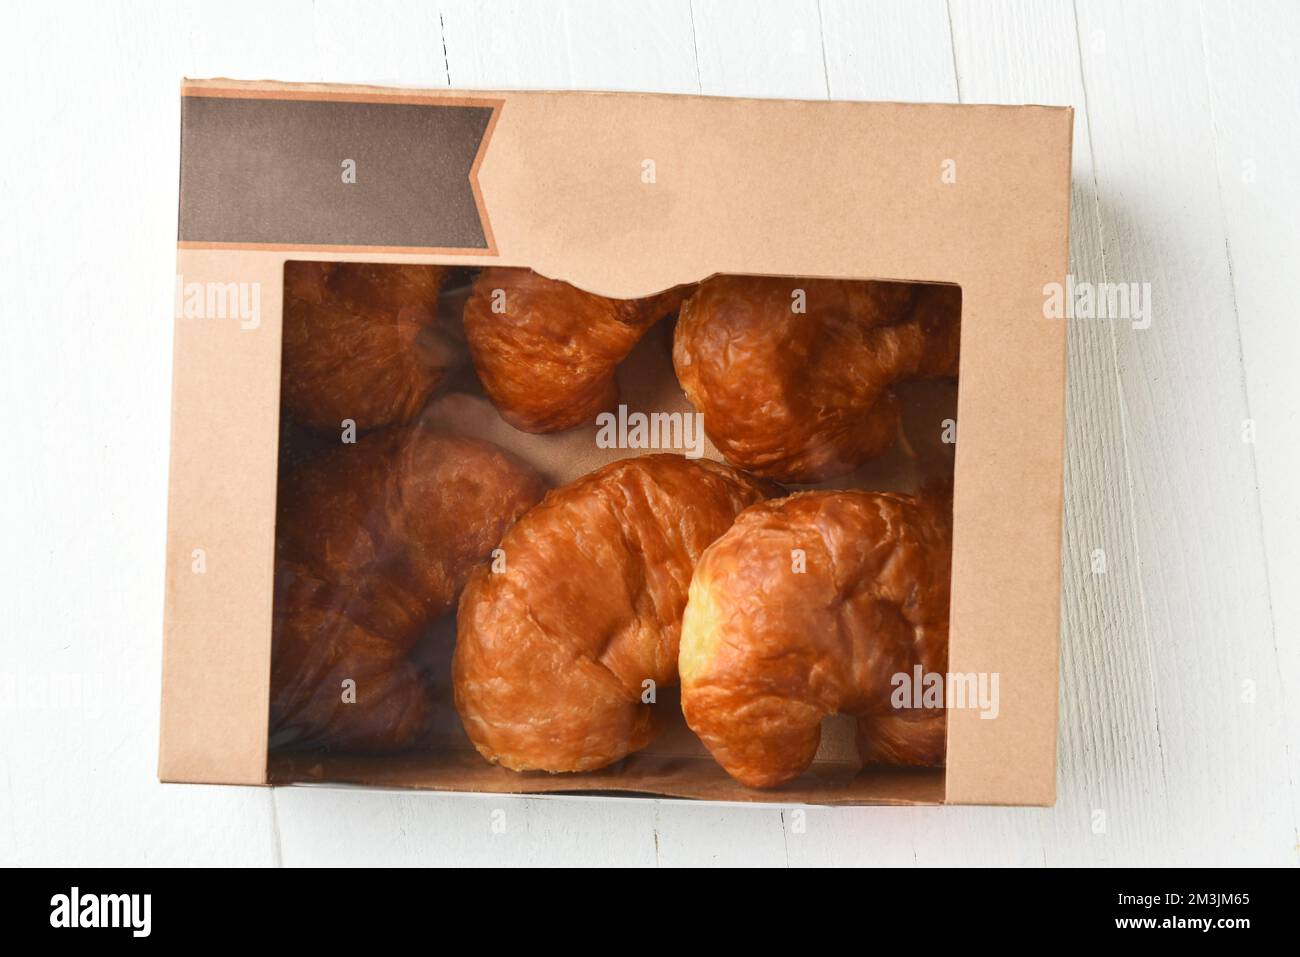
1198 543
582 44
505 45
898 50
648 45
714 835
760 48
330 41
1253 70
359 828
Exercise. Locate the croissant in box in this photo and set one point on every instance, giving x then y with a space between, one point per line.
808 606
795 376
546 352
361 341
374 542
559 650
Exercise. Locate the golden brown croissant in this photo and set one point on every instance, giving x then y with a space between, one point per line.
768 650
546 351
373 543
803 397
361 342
553 653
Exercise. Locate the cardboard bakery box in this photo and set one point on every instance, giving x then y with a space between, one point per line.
627 197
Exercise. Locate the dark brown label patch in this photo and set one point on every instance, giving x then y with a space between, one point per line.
314 173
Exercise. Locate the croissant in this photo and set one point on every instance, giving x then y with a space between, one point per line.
808 606
546 351
558 654
374 541
361 341
805 396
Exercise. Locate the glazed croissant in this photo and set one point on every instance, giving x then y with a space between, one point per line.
546 351
361 341
808 606
805 396
373 543
554 654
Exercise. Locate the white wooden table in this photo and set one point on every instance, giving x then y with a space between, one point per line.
1180 709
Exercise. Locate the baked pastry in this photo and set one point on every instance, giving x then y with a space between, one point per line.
546 351
554 653
361 341
769 650
804 397
373 543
